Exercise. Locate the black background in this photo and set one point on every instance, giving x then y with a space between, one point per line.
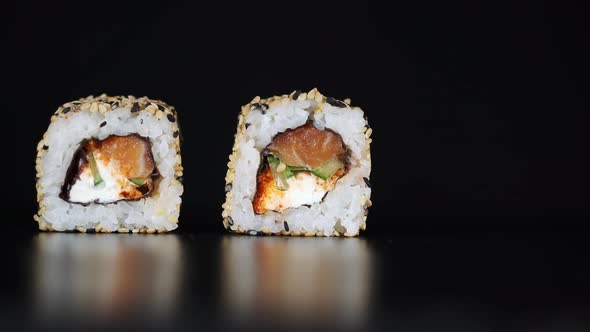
479 111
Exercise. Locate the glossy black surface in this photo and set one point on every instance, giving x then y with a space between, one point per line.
413 281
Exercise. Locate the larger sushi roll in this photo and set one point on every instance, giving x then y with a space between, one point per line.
110 164
300 165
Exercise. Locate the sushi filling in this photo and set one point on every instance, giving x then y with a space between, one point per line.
110 170
299 167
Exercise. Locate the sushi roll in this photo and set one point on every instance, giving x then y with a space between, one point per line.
300 165
110 164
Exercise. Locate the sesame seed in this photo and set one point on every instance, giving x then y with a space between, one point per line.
296 94
66 110
94 107
335 102
171 118
286 225
104 123
162 108
175 134
228 187
259 107
367 182
45 147
230 221
135 108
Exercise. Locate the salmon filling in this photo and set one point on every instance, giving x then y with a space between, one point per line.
299 167
110 170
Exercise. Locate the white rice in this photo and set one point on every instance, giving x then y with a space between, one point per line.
159 211
345 204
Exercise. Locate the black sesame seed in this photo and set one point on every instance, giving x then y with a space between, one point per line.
45 147
176 133
161 108
307 205
180 179
135 108
104 123
247 125
230 221
141 121
286 225
367 182
171 118
259 107
66 110
335 102
228 187
296 95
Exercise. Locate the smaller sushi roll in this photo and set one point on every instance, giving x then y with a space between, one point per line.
300 165
110 164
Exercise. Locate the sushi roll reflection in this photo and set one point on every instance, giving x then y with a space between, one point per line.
300 166
110 164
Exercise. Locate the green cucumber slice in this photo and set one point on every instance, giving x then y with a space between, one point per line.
280 177
328 169
94 169
290 169
138 182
